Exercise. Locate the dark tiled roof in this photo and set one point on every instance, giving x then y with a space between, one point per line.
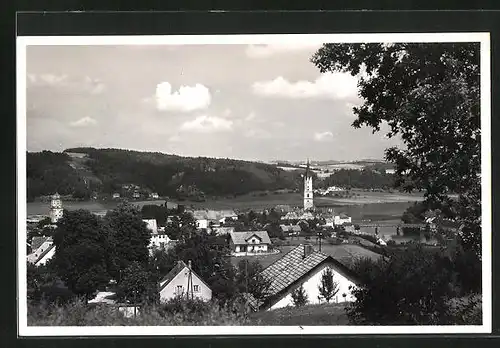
242 237
251 301
292 267
45 252
173 272
37 241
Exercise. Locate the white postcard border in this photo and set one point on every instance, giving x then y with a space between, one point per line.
24 41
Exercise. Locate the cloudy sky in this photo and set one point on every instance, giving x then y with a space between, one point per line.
256 102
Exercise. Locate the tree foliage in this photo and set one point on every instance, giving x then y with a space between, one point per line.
129 238
328 287
299 296
250 280
49 172
82 256
412 287
138 284
165 174
427 94
363 179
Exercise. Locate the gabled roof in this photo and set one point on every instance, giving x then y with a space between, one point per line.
37 241
45 252
178 268
243 237
292 267
171 275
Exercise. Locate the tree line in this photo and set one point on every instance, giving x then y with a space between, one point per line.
49 172
363 179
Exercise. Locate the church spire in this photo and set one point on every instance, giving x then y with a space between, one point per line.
307 167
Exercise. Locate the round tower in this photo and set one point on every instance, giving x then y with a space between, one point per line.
308 189
56 209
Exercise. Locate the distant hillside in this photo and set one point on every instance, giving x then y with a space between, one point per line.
84 171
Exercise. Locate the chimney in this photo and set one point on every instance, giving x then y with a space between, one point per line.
308 250
189 264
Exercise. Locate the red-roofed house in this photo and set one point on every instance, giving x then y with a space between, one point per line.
304 266
183 281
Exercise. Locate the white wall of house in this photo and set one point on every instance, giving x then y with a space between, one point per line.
158 240
178 286
311 287
340 221
46 257
202 223
36 253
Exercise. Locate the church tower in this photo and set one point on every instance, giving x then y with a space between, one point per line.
308 189
56 209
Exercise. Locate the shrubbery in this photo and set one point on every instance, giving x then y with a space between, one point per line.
411 287
175 312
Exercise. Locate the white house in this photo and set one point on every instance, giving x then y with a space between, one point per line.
304 266
154 195
43 249
151 225
222 230
116 195
159 241
342 219
206 218
183 281
249 242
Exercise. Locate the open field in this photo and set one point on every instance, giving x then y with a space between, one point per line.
324 314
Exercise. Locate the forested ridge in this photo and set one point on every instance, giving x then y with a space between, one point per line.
167 175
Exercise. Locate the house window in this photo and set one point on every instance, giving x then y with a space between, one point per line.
196 288
179 289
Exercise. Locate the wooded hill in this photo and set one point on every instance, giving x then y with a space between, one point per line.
107 170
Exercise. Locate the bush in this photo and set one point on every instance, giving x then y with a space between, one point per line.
412 287
78 313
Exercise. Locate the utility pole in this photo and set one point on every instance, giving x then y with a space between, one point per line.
320 234
246 276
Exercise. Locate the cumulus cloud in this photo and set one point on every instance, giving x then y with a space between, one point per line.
207 124
73 83
186 99
323 136
264 51
327 86
84 122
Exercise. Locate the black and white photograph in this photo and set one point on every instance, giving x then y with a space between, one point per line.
254 184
